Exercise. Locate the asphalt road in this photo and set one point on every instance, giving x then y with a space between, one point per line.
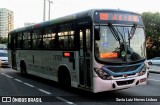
13 85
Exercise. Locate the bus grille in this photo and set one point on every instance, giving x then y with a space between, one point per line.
120 83
123 69
118 76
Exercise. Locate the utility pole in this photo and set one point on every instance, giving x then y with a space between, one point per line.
50 2
44 10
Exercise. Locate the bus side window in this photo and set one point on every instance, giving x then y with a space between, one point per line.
81 39
52 43
27 40
41 44
66 36
88 39
29 44
19 41
46 41
71 41
48 37
36 43
61 43
37 37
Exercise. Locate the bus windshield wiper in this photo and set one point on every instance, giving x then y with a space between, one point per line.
131 34
114 32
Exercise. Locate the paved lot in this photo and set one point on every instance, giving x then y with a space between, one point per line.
13 84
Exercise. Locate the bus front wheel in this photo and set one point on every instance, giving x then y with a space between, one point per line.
64 78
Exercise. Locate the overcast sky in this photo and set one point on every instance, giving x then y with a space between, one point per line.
32 10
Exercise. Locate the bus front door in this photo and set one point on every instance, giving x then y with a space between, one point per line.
13 54
84 58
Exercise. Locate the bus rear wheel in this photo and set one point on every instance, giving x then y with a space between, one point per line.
64 78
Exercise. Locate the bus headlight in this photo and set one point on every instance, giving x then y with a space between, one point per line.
102 74
143 71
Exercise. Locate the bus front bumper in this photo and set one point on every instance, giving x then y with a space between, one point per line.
100 85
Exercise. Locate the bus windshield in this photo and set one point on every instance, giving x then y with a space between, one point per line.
119 44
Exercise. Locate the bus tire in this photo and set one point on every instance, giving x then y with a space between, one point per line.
23 68
64 78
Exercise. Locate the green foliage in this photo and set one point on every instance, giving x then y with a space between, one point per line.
3 40
152 29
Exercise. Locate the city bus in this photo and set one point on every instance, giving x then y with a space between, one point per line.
95 50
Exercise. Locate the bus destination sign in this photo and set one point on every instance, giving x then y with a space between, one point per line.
118 17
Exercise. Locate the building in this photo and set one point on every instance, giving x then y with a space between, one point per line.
6 21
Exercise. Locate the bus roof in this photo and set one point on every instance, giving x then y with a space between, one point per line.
83 14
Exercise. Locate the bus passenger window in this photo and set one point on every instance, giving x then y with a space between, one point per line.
71 41
19 41
37 37
27 40
46 43
88 42
48 37
81 39
88 39
29 44
66 39
41 44
52 43
61 43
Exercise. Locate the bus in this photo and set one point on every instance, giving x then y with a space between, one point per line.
95 50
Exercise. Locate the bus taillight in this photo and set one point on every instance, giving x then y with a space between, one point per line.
66 54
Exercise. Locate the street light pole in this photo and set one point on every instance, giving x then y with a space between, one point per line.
44 10
49 9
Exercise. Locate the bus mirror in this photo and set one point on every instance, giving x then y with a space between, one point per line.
97 33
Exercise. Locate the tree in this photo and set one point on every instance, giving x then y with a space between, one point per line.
152 29
3 40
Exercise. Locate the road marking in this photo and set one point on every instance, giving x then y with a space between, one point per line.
6 75
154 80
28 84
62 99
2 73
18 80
44 91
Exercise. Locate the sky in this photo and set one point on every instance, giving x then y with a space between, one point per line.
31 11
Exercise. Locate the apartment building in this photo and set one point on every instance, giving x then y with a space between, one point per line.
6 21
